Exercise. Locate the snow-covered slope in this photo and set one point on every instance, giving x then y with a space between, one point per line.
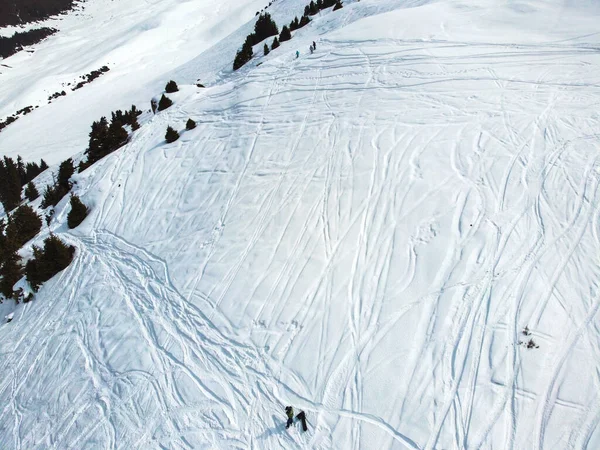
362 233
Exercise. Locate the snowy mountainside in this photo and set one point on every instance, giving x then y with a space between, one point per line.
363 233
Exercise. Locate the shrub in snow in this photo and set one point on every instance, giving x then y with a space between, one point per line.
171 87
190 124
285 35
164 103
338 5
78 212
22 226
275 43
266 49
31 192
48 261
171 135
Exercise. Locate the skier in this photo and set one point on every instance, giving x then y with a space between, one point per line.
314 45
302 418
297 53
311 50
289 411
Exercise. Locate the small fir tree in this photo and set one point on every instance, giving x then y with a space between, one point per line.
275 43
263 28
294 24
31 192
338 5
171 135
48 261
10 273
22 226
285 35
190 124
304 20
164 103
244 55
78 212
266 49
65 172
171 87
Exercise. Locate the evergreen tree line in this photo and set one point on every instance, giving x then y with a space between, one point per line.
105 138
13 176
314 7
11 45
20 227
265 27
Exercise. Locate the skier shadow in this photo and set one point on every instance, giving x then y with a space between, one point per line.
279 428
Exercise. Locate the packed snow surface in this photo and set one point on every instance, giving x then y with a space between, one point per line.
362 233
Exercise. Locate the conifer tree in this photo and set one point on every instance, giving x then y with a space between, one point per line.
294 24
97 147
313 8
266 49
65 172
285 34
171 87
47 262
10 184
22 226
117 136
164 103
338 5
244 55
263 28
78 212
171 135
275 43
190 124
31 192
10 273
304 20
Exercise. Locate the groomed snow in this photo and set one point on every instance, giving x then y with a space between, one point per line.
362 233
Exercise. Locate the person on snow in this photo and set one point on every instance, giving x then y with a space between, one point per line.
297 53
314 45
289 411
311 50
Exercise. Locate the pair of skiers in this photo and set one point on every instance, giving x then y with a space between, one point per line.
289 411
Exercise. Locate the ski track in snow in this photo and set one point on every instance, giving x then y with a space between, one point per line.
362 233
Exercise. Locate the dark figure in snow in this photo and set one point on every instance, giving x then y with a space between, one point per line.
297 53
302 418
314 45
289 411
311 49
